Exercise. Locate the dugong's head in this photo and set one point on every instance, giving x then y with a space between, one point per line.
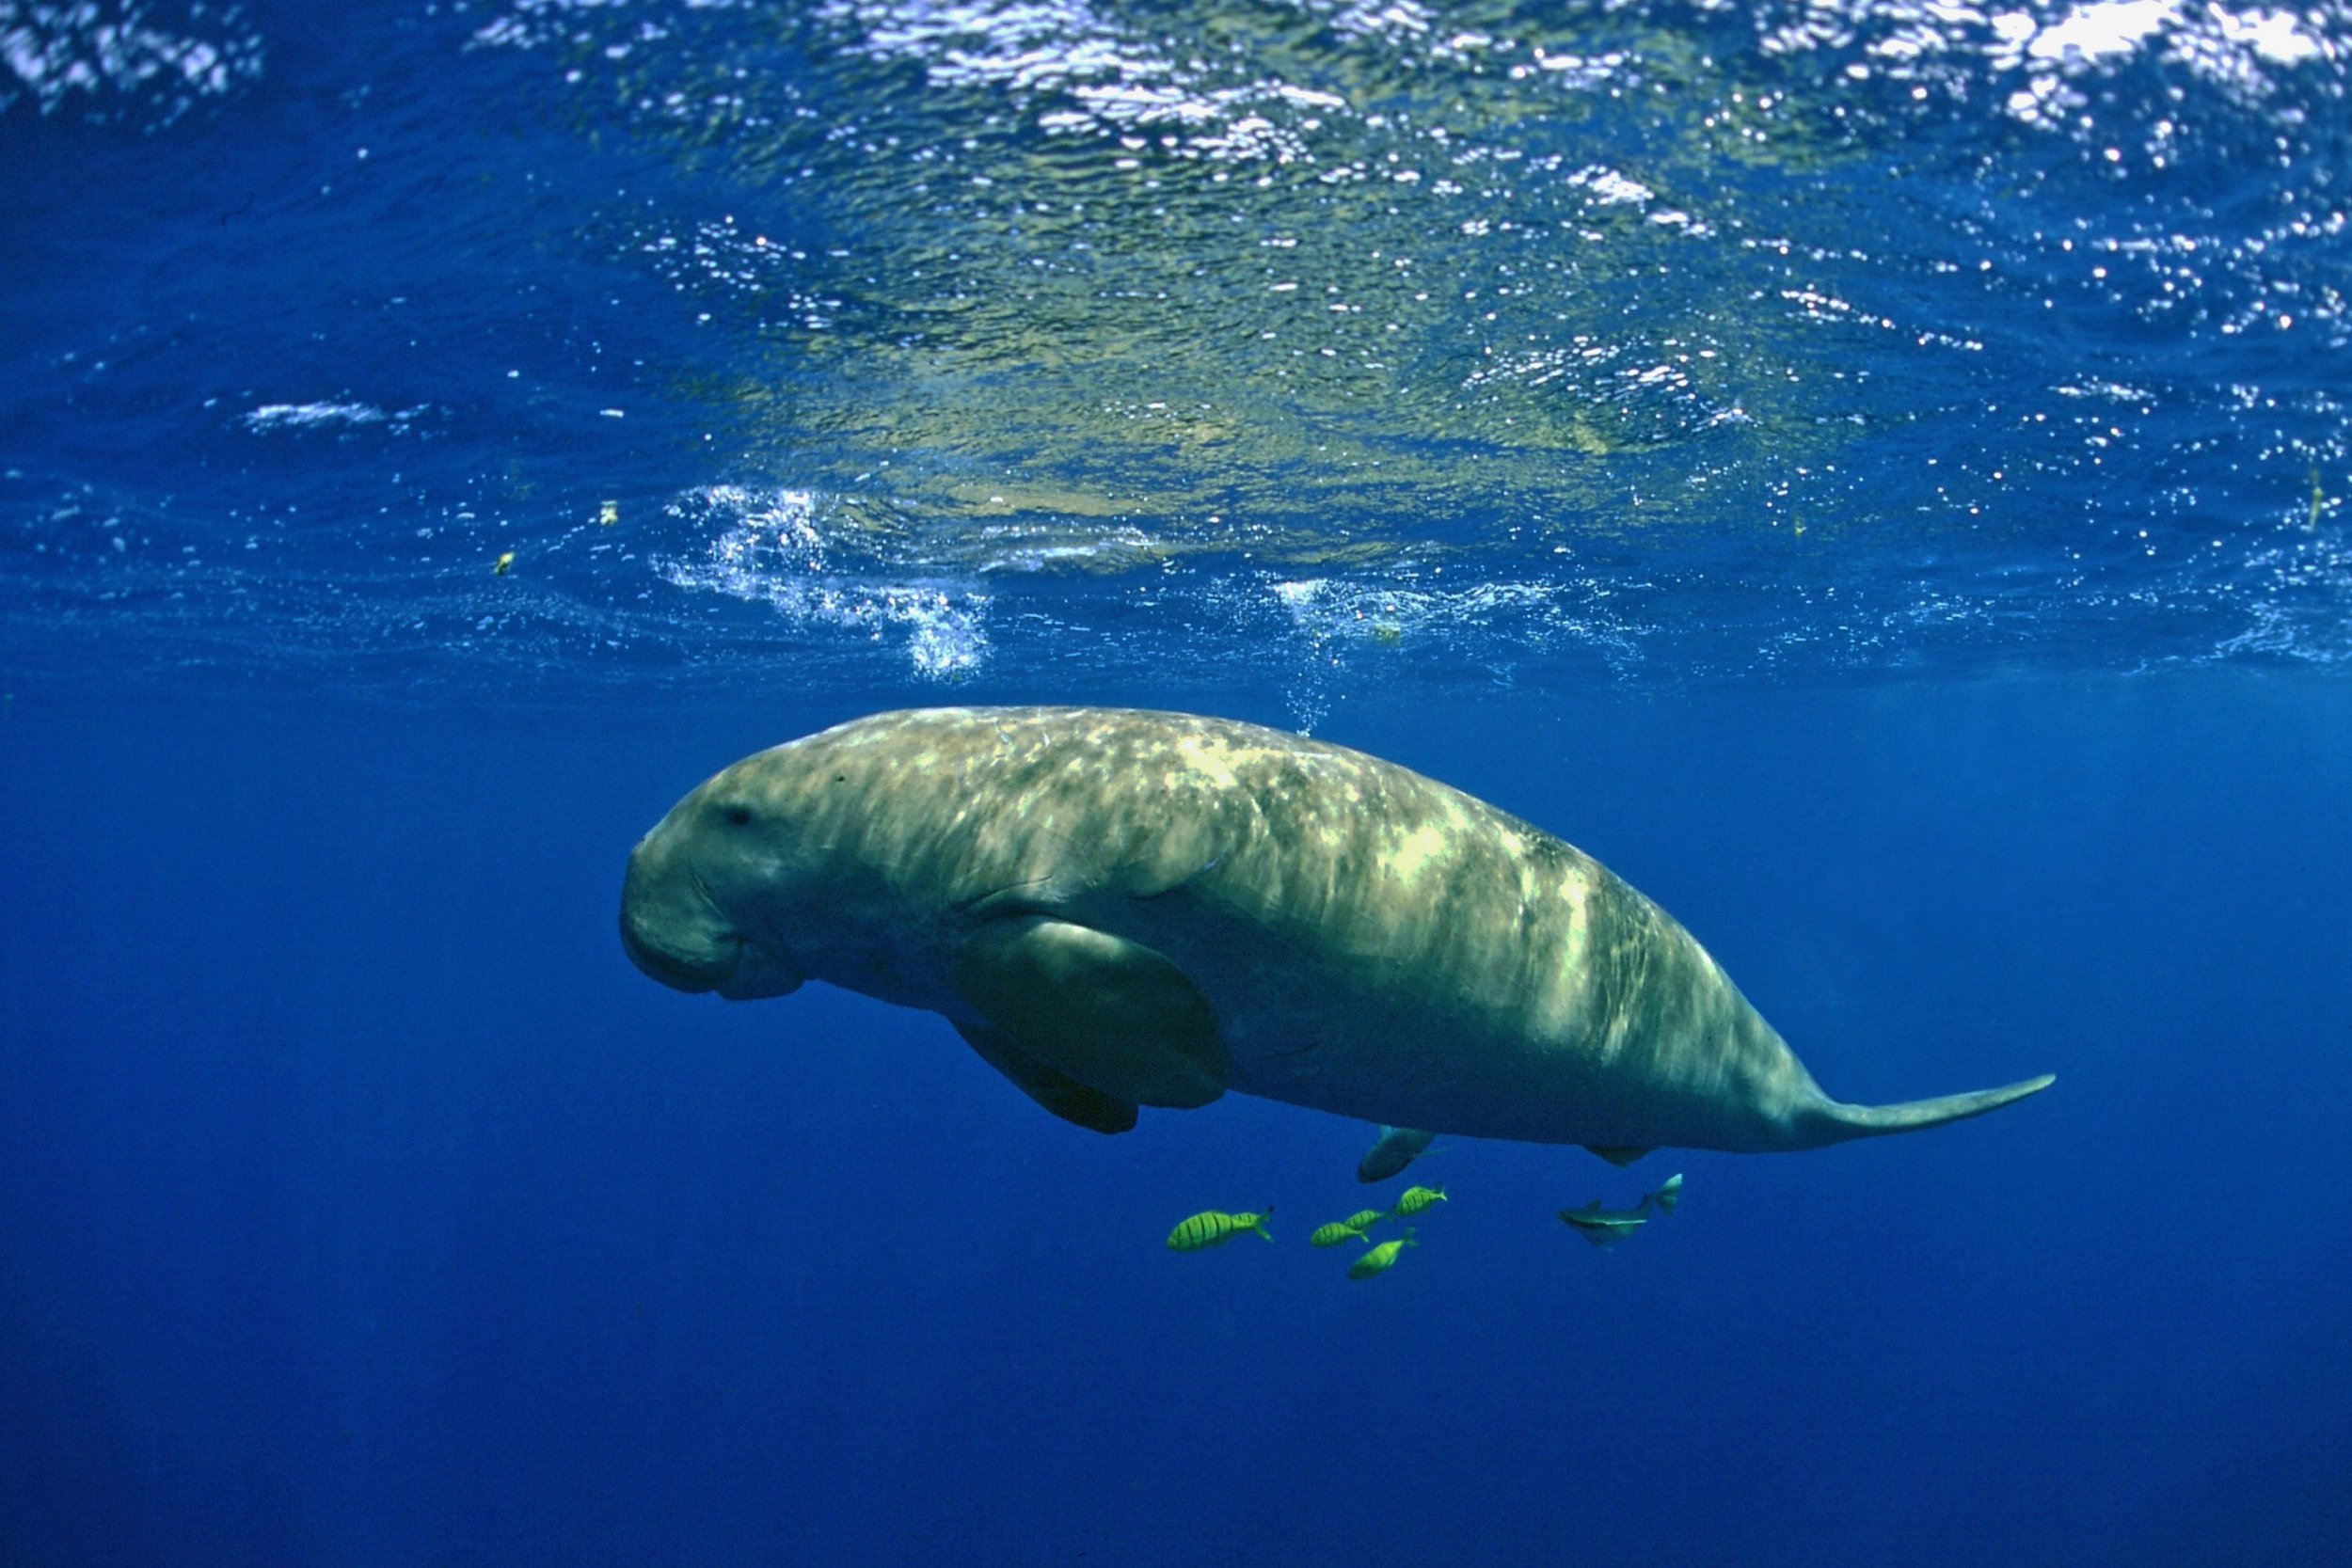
709 892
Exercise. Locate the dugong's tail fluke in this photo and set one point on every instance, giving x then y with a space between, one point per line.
1835 1122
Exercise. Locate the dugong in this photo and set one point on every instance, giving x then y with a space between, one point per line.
1118 907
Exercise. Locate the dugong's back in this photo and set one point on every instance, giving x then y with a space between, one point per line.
1355 937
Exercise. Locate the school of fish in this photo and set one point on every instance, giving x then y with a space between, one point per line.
1397 1149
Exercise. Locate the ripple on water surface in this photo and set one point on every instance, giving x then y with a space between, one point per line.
1464 343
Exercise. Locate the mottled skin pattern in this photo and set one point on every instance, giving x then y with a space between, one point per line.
1371 942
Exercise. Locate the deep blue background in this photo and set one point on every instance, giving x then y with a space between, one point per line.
1961 658
360 1204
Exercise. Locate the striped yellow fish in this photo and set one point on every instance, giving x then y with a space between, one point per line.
1380 1259
1363 1219
1213 1227
1337 1231
1417 1198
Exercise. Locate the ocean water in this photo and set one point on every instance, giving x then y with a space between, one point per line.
1871 472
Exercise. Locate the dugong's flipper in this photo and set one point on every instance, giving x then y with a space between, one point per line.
1058 1092
1832 1121
1111 1015
1615 1154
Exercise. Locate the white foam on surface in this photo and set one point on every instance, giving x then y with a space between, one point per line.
1100 74
123 60
272 417
768 546
2044 49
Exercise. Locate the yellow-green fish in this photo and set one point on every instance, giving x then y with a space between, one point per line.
1335 1233
1213 1227
1417 1198
1363 1219
1380 1259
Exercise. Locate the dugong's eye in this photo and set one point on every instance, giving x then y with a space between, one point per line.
739 815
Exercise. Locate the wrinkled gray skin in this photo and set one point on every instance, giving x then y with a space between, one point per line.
1120 907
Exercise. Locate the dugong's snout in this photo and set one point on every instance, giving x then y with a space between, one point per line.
668 928
674 931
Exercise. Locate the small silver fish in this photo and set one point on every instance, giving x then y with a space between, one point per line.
1606 1228
1398 1146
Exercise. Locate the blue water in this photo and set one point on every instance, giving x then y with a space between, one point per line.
1869 472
